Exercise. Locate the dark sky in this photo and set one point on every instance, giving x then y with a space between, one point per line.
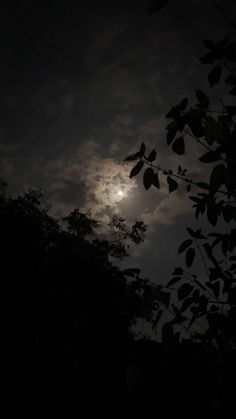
82 85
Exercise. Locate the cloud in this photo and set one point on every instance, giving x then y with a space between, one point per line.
167 210
84 178
52 98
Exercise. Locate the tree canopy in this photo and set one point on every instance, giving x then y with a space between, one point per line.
69 309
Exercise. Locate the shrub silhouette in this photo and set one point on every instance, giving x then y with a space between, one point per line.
69 308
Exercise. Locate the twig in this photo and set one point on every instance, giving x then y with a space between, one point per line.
222 12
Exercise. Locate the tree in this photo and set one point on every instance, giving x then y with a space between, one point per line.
212 301
69 309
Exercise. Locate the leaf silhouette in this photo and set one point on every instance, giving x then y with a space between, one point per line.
215 75
155 181
136 169
217 177
173 185
183 104
186 304
203 99
157 5
178 146
185 245
171 135
152 156
141 152
184 291
178 271
131 158
209 157
174 280
190 255
148 178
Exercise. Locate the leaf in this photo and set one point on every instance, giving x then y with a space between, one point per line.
156 6
136 169
188 188
217 177
148 178
142 150
178 271
202 99
152 156
194 119
211 130
173 185
155 181
190 231
198 234
183 104
171 135
193 318
179 318
209 157
229 213
208 44
215 75
208 58
184 291
173 281
131 158
195 199
163 297
200 285
219 48
202 185
190 255
185 245
179 147
212 211
230 179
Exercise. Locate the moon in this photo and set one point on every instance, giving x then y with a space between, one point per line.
120 193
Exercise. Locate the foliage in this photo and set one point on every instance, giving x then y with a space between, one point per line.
64 289
213 300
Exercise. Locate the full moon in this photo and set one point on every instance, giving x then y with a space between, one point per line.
120 193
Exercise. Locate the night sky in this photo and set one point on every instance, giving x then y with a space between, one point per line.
82 85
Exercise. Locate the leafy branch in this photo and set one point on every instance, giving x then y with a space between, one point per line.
214 299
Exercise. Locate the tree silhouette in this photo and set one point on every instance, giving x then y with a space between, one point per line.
212 301
69 308
199 340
